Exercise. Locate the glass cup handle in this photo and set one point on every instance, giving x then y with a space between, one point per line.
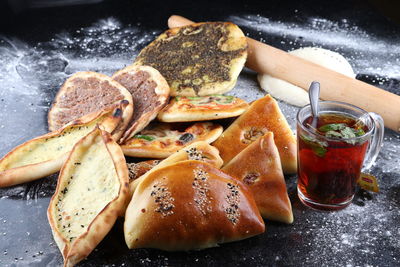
376 141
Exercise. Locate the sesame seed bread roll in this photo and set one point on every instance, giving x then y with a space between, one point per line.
259 167
261 117
200 150
190 205
44 155
92 191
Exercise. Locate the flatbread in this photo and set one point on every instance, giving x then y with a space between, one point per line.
199 59
44 155
190 205
92 190
262 116
259 167
150 93
84 93
202 108
160 140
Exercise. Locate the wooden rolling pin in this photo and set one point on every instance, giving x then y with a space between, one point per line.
264 58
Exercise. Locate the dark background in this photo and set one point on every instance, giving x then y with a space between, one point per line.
365 233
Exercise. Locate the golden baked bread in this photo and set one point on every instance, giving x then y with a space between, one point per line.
259 167
160 140
137 169
45 154
262 116
190 205
199 150
84 93
199 59
202 108
150 92
91 192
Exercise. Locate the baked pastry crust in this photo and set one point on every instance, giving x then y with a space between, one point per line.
199 150
202 108
262 116
160 140
44 155
92 191
259 167
190 205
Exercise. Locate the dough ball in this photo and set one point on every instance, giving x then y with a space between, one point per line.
295 95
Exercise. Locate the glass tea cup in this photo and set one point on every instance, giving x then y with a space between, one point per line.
331 155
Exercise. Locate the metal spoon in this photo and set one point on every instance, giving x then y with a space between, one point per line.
313 94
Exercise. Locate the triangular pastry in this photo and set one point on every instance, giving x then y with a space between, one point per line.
262 116
259 167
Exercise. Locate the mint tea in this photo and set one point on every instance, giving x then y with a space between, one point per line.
330 158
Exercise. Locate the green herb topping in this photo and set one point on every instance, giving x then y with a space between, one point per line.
145 137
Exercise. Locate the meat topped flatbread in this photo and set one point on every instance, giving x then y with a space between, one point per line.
159 140
201 108
84 93
150 94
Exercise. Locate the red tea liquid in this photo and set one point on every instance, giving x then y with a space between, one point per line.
329 168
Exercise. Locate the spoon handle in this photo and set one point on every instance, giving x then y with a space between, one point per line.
313 94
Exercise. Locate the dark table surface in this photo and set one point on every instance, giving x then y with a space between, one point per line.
40 48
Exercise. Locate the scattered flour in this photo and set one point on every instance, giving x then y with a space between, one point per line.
367 53
31 75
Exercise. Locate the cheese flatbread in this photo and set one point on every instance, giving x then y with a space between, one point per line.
202 108
159 140
92 190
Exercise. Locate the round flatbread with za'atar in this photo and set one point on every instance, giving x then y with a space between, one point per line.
198 59
160 140
202 108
